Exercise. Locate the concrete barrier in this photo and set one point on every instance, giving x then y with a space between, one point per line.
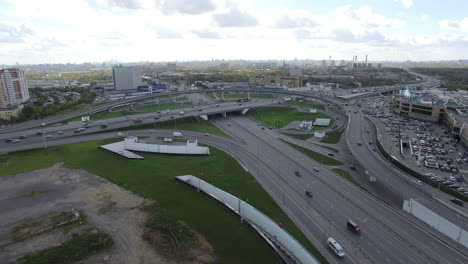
291 249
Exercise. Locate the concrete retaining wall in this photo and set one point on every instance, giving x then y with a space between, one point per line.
278 236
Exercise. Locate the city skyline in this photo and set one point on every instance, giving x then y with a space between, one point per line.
79 31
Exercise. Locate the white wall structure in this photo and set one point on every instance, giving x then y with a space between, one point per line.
262 223
131 143
85 119
322 122
313 110
319 134
126 77
436 221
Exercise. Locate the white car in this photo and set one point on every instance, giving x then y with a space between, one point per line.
60 132
49 136
315 169
418 182
335 247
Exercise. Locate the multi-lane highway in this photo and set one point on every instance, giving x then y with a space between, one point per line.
389 236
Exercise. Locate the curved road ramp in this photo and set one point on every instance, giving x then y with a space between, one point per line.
287 247
131 143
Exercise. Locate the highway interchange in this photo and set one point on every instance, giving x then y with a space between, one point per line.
389 235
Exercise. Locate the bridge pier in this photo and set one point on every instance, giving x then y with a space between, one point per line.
222 95
204 117
225 114
245 111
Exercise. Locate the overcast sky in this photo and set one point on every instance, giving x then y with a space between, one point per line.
58 31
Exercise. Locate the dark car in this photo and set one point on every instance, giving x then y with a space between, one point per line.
309 193
331 154
353 226
23 137
457 202
297 173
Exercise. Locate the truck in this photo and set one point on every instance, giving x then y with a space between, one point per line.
177 134
137 121
181 113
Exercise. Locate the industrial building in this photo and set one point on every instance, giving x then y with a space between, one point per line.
126 77
13 88
429 107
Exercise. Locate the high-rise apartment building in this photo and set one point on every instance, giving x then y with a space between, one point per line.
126 77
13 87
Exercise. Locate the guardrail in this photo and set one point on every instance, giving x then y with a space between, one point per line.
290 248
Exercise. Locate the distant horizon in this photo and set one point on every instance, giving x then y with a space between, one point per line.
110 62
55 31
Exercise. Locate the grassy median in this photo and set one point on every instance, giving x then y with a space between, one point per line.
278 116
153 177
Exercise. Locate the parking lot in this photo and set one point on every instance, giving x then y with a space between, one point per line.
428 148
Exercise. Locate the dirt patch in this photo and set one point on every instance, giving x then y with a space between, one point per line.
107 207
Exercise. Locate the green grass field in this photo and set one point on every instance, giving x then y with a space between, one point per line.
154 178
322 159
279 117
347 176
71 251
332 137
309 105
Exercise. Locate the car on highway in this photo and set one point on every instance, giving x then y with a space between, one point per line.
39 133
15 141
8 140
207 134
49 136
359 143
315 169
297 173
353 226
457 202
309 193
418 182
331 154
23 137
60 132
156 117
335 247
228 124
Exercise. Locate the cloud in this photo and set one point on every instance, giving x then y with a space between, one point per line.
461 25
296 22
190 7
424 17
207 34
15 34
345 35
302 34
167 33
127 4
362 17
405 3
235 18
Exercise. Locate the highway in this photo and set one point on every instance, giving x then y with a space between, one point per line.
385 172
335 201
389 236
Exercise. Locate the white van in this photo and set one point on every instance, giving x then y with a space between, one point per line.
335 247
177 134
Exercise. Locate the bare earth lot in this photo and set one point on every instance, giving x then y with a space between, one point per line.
30 195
